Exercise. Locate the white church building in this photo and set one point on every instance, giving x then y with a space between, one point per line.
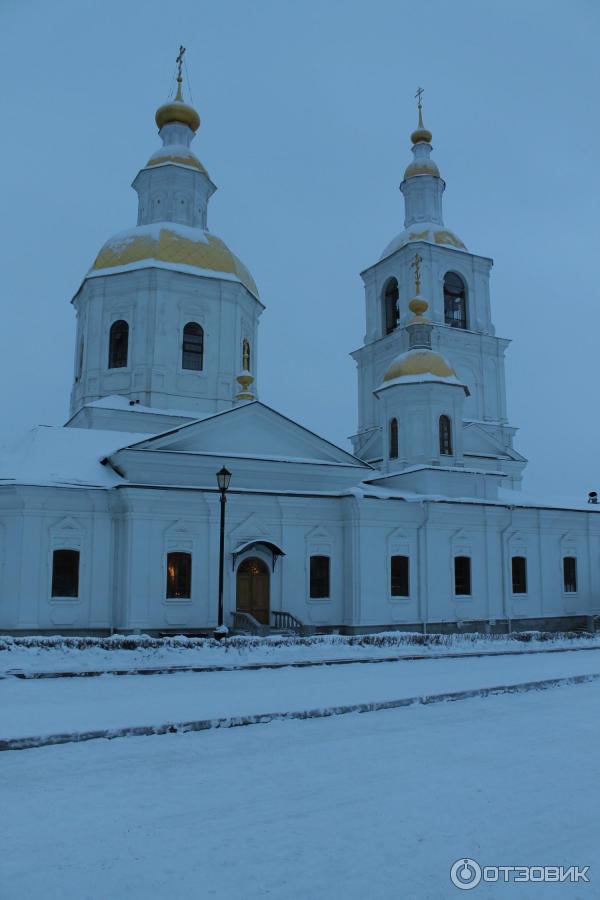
112 521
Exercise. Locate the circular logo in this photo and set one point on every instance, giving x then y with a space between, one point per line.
465 874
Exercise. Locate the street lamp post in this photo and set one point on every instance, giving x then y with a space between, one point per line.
223 479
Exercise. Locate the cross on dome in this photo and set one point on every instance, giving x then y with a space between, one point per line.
422 134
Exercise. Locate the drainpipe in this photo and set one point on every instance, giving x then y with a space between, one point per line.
504 561
422 563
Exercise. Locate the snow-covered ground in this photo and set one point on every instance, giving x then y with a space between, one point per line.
32 707
369 807
50 655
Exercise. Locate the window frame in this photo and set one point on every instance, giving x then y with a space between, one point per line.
406 576
202 336
175 597
565 589
53 575
393 446
469 592
451 320
445 422
522 558
312 577
386 305
127 331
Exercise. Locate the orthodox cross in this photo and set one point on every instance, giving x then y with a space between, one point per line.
419 97
179 62
416 265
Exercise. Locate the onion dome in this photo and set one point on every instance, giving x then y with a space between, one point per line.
420 359
177 111
419 362
169 245
421 134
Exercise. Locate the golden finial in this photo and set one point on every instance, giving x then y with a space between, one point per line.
422 133
417 305
245 380
178 110
246 355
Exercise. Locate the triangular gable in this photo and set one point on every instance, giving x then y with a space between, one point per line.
479 440
252 430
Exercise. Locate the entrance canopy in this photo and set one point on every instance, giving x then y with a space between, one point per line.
271 548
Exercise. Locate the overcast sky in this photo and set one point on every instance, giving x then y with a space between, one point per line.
306 110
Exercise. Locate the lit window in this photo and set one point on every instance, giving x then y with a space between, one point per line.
179 576
65 573
399 566
319 577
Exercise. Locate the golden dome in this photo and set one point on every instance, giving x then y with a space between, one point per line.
183 159
422 167
419 362
178 245
178 111
421 134
439 236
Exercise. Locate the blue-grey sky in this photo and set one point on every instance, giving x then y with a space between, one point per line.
306 113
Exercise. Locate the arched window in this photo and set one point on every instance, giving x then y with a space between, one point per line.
462 576
455 301
519 575
319 577
79 361
570 574
393 438
192 356
399 583
179 576
445 436
65 573
390 305
246 355
118 345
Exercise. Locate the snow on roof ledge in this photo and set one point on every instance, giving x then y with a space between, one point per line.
118 402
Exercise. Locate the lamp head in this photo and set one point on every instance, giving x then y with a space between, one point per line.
223 479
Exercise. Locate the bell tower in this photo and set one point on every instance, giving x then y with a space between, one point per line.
167 316
457 283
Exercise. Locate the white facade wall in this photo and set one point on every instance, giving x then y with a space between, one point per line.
157 304
124 534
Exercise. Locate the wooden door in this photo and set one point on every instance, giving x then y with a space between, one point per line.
252 589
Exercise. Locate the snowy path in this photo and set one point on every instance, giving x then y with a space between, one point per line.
357 807
29 708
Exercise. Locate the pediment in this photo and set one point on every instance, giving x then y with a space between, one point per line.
250 529
319 533
67 525
252 430
479 440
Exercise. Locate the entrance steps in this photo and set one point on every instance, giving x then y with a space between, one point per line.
280 623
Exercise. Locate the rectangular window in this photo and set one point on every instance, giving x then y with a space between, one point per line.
65 573
462 575
319 577
399 576
179 576
570 574
519 575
